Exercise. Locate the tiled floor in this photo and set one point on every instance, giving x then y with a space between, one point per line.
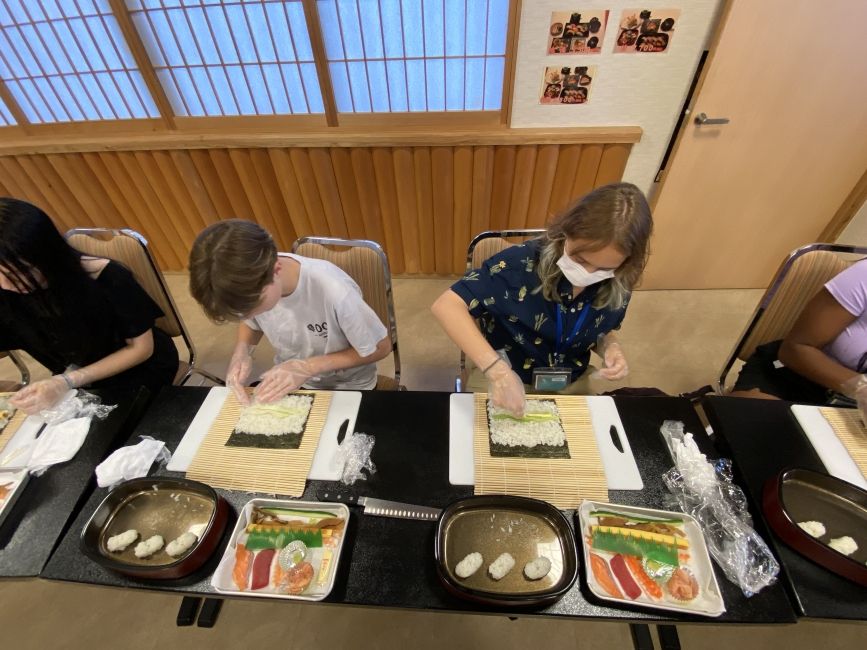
675 340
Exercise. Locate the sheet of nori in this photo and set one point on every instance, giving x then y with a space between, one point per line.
539 451
262 441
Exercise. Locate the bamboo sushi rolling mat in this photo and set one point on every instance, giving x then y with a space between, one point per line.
562 482
273 471
11 427
848 427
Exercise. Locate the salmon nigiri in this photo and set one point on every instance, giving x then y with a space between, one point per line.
242 566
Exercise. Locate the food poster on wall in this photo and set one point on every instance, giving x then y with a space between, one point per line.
646 30
567 84
577 32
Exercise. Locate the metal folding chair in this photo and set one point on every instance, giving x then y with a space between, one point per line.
11 386
798 279
366 263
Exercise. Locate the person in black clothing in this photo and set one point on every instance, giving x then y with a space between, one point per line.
86 319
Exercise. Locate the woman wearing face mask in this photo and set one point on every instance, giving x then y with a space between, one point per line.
86 319
544 305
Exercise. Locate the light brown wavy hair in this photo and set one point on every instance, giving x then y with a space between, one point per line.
615 214
230 263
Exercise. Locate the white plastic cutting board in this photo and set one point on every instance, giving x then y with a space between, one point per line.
621 471
831 451
344 405
16 454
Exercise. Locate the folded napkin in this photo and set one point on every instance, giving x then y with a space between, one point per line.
58 444
131 462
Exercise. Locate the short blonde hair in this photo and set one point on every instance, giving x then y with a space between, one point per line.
231 263
615 214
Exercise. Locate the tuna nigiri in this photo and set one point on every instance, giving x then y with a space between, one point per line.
262 569
630 587
241 570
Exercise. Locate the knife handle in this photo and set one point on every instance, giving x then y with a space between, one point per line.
347 499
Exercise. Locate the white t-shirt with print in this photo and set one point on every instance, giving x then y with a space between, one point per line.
326 313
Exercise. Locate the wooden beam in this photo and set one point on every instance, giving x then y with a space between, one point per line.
338 137
511 63
846 211
14 108
142 60
320 58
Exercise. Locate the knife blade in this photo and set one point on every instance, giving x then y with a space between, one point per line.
615 438
341 431
384 508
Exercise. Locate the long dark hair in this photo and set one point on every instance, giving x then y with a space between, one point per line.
68 309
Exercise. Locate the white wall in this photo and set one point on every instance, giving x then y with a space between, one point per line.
646 90
855 231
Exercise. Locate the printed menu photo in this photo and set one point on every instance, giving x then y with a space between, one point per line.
646 30
577 32
567 85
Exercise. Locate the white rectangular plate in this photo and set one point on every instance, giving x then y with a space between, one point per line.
621 471
15 481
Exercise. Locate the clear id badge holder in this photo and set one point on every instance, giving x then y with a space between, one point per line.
551 379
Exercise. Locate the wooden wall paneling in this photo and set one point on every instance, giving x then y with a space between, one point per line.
612 163
463 207
140 218
122 215
442 179
309 191
501 199
83 185
195 185
212 183
567 168
157 228
67 205
522 185
291 191
404 177
588 165
424 209
323 169
483 184
241 208
344 175
368 196
543 182
172 217
383 166
264 170
253 188
20 186
162 165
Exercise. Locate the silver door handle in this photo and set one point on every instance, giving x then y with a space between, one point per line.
702 118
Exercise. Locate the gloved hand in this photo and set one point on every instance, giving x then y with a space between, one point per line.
40 395
283 378
856 388
505 388
240 367
615 361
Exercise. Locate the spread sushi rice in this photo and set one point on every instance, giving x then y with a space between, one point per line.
539 426
288 415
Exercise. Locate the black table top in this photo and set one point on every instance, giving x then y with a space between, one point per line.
389 562
45 508
764 438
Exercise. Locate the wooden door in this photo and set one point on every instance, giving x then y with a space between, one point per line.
792 78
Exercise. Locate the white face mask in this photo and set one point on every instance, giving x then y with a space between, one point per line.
578 275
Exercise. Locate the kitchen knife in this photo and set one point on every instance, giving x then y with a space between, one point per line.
341 432
615 438
383 508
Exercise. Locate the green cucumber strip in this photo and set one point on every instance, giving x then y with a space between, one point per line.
528 417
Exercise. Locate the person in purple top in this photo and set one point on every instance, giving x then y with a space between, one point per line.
824 357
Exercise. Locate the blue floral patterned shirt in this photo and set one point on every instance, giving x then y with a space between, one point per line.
505 294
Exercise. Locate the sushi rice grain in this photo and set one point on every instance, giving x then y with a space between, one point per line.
149 546
537 568
469 565
845 545
120 542
181 545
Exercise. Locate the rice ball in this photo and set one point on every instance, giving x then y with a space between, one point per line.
181 545
148 547
845 545
812 528
469 565
501 566
119 543
537 569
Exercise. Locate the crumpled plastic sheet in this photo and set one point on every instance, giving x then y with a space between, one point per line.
707 492
354 456
77 404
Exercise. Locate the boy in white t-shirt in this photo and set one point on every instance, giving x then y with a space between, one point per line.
325 335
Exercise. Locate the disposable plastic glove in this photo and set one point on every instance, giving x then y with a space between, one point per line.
615 361
505 388
856 388
283 378
40 395
240 367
